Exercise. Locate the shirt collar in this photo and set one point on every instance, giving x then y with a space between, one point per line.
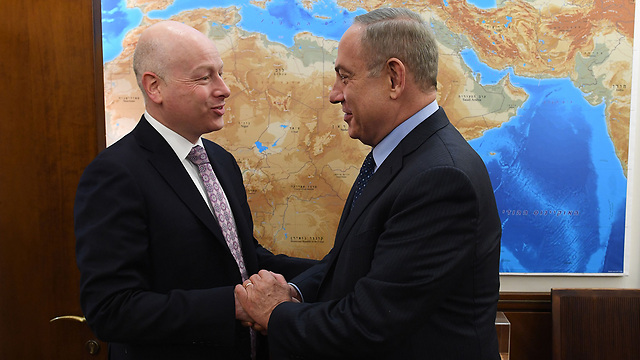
391 141
179 144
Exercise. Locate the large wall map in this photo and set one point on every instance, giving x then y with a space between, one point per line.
541 89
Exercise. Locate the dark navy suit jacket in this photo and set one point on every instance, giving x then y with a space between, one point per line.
157 277
413 273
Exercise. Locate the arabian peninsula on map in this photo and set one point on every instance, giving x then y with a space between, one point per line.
540 88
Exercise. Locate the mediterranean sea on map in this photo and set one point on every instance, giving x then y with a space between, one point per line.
560 188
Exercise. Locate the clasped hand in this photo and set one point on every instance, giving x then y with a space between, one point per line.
259 295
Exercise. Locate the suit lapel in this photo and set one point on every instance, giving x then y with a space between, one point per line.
170 168
380 179
385 174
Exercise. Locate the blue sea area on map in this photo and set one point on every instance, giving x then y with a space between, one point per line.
117 20
482 4
560 189
280 20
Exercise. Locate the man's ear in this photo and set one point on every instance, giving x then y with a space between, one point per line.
151 85
397 77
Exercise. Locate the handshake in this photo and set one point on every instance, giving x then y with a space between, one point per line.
258 296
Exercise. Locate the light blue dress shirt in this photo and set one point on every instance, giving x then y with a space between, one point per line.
391 141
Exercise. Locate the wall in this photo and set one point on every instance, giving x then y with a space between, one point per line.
49 132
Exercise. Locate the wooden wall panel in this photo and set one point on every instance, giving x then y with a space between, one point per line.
530 318
593 324
49 132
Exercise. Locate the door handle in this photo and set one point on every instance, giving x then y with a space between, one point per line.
92 346
69 317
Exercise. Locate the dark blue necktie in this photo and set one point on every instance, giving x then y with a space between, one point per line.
363 177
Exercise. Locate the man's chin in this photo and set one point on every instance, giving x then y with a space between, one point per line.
216 125
353 134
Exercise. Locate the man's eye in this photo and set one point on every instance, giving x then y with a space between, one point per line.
206 77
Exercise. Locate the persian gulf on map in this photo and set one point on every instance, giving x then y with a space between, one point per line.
540 89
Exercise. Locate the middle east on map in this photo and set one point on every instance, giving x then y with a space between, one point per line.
516 65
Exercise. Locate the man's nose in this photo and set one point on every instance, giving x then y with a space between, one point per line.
222 90
335 95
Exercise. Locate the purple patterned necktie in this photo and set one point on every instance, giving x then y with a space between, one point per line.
220 205
221 208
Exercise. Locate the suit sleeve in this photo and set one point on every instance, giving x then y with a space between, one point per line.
288 266
424 242
111 227
308 282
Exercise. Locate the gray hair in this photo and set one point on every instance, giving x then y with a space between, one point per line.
149 55
403 34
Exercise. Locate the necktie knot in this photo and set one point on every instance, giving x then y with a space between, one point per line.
198 155
368 165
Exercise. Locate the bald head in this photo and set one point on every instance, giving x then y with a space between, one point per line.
163 46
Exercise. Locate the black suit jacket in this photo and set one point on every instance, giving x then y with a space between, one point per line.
157 277
413 273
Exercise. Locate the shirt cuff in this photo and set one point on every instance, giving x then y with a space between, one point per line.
298 290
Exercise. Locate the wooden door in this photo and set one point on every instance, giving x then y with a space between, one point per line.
50 128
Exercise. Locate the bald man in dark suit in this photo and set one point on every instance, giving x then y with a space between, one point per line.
157 272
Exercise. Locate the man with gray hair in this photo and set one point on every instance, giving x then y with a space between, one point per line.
413 273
